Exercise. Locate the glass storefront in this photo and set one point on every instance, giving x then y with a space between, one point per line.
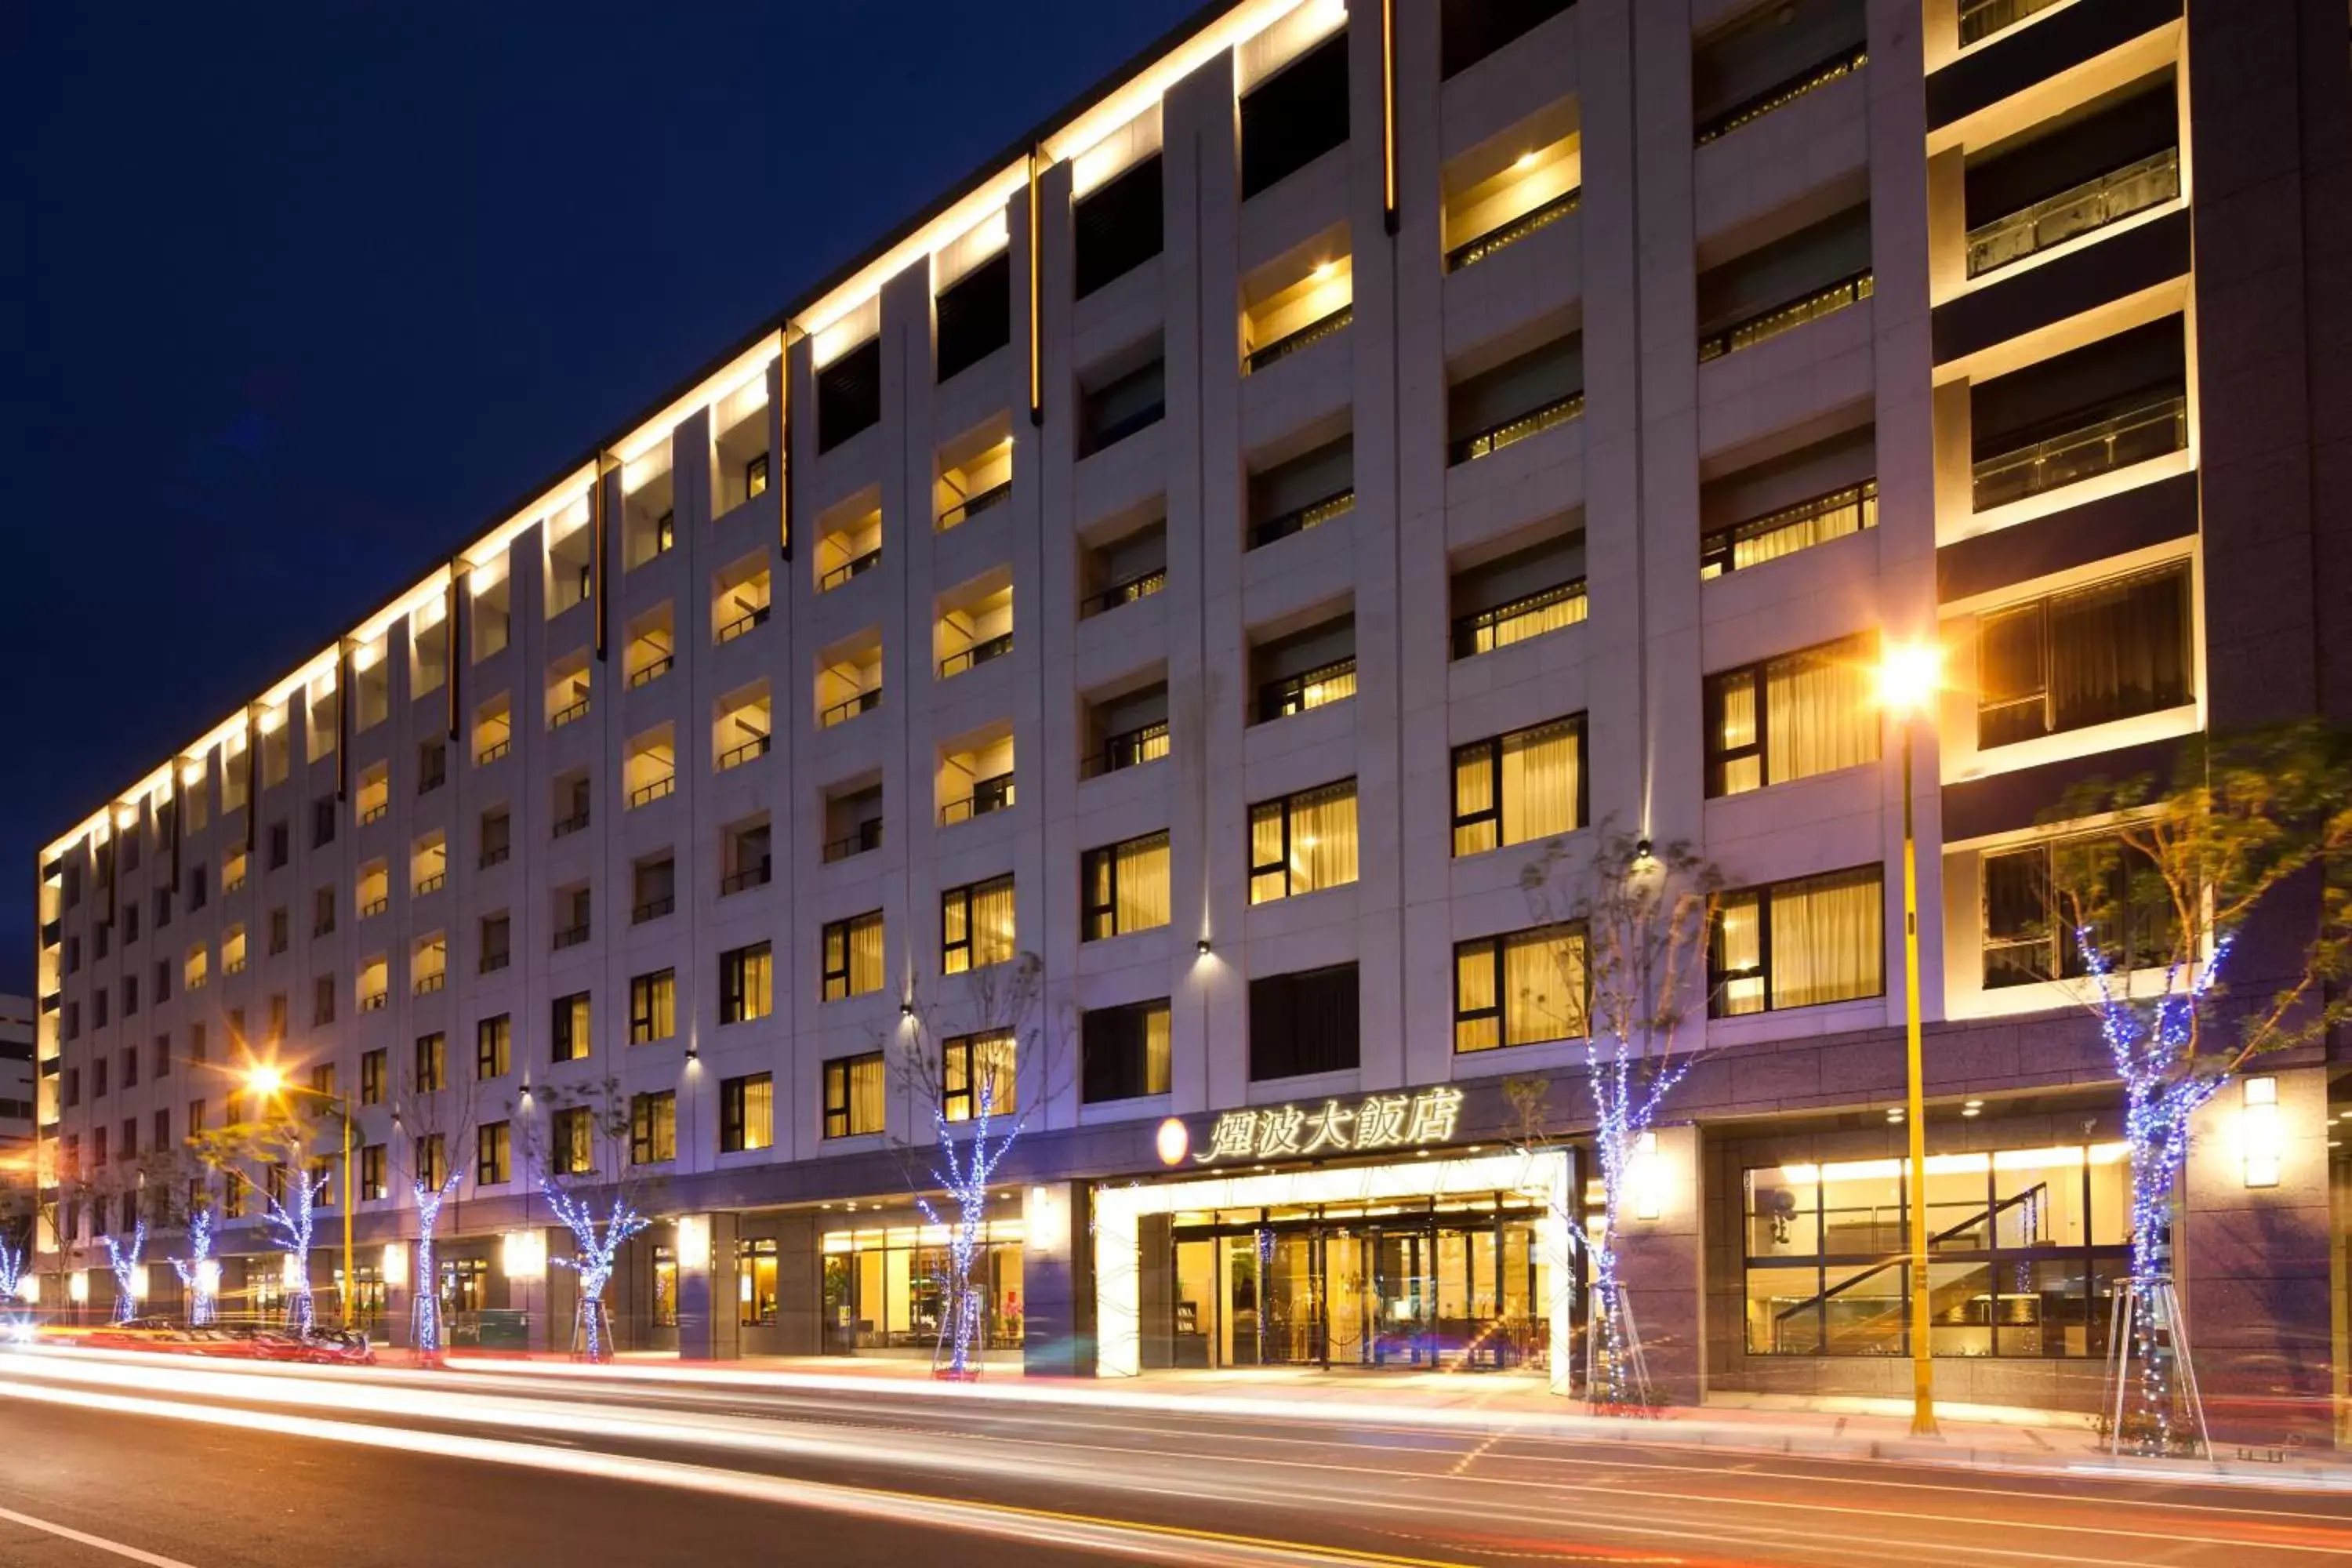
884 1288
1414 1283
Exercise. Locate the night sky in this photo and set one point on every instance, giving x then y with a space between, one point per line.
294 297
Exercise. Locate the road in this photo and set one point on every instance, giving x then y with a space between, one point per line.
178 1464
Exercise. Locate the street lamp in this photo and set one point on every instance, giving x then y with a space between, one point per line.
1909 675
265 1081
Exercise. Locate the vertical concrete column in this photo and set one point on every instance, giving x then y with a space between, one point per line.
1659 1258
800 1286
398 1262
709 1326
1056 1281
1155 1292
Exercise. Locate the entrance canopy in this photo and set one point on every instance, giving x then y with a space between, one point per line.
1119 1212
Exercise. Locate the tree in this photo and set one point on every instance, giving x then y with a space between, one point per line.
199 1273
585 1133
2255 826
1645 917
968 1085
133 1201
433 1122
277 1135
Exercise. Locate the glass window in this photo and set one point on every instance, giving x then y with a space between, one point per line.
432 1062
977 1078
1813 712
1524 785
746 1116
653 1128
653 1006
664 1286
2094 655
371 1076
755 1280
1126 1051
572 1141
1521 989
493 1039
976 926
746 984
1797 944
1125 886
2036 896
567 1036
853 956
853 1095
1303 843
493 1154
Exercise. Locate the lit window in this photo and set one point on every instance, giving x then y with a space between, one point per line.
1303 843
1797 944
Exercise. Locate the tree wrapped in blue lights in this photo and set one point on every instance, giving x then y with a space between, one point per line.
293 1214
581 1146
433 1121
199 1274
275 1133
124 1260
2255 834
1626 982
597 1240
12 1271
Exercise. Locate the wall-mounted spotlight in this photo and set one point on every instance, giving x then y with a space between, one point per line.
1202 947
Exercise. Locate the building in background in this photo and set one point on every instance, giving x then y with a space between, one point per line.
16 1107
1214 554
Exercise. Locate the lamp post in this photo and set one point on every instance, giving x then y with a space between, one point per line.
266 1080
1908 677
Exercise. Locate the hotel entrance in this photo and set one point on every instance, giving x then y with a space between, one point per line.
1460 1284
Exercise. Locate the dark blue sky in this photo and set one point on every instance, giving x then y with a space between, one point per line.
293 296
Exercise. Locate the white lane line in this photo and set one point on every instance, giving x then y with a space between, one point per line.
97 1543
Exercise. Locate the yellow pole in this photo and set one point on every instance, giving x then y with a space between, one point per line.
350 1280
1923 1370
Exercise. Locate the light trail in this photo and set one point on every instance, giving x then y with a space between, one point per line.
96 1543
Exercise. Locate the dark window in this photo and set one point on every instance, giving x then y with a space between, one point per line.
374 1186
371 1076
653 1128
853 1095
432 766
1126 1051
1304 1023
2110 651
1118 227
196 879
975 314
322 822
1119 406
1295 116
1470 30
747 1113
280 846
493 1152
1518 398
432 1062
2035 897
493 1040
849 394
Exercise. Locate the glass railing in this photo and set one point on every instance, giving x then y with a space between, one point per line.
2148 428
868 836
749 877
432 882
494 962
1313 515
1789 530
1313 689
988 796
654 670
377 813
858 566
1981 19
843 711
982 652
494 855
1780 94
571 936
973 506
1117 430
645 794
371 908
1559 411
1471 252
1771 323
567 825
1138 587
1131 748
428 983
571 712
749 751
1314 332
374 1002
742 624
1530 616
654 909
492 752
2151 182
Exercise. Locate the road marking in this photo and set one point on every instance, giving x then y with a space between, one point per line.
98 1542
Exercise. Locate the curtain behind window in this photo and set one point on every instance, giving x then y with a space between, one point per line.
864 1095
1820 710
1156 1037
2120 649
865 956
1540 785
1323 838
1142 883
1543 975
1825 939
991 923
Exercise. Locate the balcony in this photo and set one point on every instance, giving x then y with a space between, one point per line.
1823 302
432 882
428 983
869 836
654 909
1314 332
1131 750
985 651
432 778
1781 94
492 752
494 962
494 855
988 796
571 936
371 908
1315 514
567 825
1473 251
749 751
742 625
2144 430
654 790
652 669
1138 587
570 713
374 1001
1309 690
2150 182
1529 615
856 566
751 876
1789 530
1981 19
986 500
1493 439
849 708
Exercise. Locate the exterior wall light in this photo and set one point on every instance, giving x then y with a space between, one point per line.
1647 1179
693 1236
522 1255
2258 1131
395 1265
1202 947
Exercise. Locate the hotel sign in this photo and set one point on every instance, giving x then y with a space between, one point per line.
1372 1122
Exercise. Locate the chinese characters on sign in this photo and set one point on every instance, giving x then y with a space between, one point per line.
1375 1121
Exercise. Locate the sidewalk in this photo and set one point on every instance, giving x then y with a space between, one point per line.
1973 1437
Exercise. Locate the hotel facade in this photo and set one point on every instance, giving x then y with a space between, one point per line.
1122 644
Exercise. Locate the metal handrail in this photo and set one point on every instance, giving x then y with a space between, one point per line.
232 966
1130 748
742 624
972 505
428 983
1485 632
1315 514
2079 209
497 856
1493 438
1780 94
1822 518
492 752
1314 332
1990 1213
653 909
567 825
653 670
2134 435
494 962
856 566
982 652
749 751
1981 19
648 793
375 813
1470 252
1766 324
432 781
571 936
868 836
749 877
988 796
566 715
1138 587
375 906
432 884
374 1001
840 713
1111 434
1281 699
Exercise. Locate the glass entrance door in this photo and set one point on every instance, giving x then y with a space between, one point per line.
1403 1283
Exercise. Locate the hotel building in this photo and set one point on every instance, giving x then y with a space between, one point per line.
1183 579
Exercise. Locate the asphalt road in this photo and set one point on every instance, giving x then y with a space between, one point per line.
176 1464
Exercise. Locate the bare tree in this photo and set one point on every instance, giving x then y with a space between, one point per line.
1640 918
278 1136
580 1147
427 1125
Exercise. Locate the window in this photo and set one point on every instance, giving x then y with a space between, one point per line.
374 1179
371 1076
665 1306
322 822
747 1113
1524 785
322 1004
2026 1247
1126 1051
280 844
130 1067
977 1076
100 1067
849 394
746 984
432 1062
498 838
1118 227
2110 651
1492 409
1124 887
1521 989
1117 401
497 940
163 1065
653 1007
1812 712
2035 897
1470 30
755 1279
1796 944
854 1096
567 1035
572 1141
976 925
1303 843
975 315
853 956
1304 1023
1295 116
493 1042
493 1150
653 1128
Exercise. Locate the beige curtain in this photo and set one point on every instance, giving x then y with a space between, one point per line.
864 1094
1543 979
1142 883
992 936
1474 991
1539 783
1474 791
1270 878
758 982
1739 930
759 1111
1819 711
1825 939
1156 1036
1738 696
1323 838
865 954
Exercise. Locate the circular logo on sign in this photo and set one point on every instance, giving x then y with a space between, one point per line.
1174 1141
